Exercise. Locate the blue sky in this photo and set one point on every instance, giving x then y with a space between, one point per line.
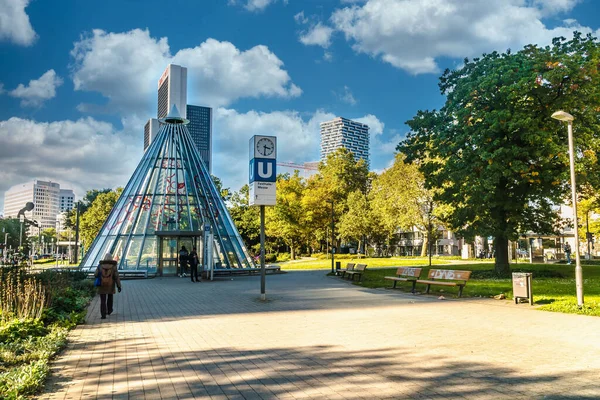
78 78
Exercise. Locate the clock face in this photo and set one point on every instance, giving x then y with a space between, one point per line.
265 147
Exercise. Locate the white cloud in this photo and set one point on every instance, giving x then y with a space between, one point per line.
218 72
82 154
346 96
255 5
38 90
327 56
14 22
300 18
298 139
318 34
412 34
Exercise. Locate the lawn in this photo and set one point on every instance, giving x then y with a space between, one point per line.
553 285
371 262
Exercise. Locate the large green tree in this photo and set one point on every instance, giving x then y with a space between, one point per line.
97 213
245 217
493 150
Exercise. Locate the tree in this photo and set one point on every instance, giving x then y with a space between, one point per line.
357 223
493 151
285 220
84 204
245 217
97 213
225 192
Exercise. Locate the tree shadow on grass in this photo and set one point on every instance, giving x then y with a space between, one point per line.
324 372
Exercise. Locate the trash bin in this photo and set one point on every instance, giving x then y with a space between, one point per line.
522 286
338 267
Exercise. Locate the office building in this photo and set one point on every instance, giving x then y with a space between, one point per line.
172 89
200 128
342 132
150 131
47 197
66 200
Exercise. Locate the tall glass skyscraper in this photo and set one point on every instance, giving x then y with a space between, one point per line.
172 90
342 132
200 128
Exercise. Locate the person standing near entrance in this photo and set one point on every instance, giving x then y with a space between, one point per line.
194 264
183 260
109 279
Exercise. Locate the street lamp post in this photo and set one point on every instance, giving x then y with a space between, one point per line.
332 239
568 118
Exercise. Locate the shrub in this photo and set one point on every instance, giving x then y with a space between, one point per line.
282 257
21 296
19 329
23 380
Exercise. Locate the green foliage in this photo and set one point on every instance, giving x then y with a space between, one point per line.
96 214
18 329
23 380
494 152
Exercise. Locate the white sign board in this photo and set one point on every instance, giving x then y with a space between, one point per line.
263 170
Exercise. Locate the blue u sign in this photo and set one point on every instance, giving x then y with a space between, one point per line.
263 170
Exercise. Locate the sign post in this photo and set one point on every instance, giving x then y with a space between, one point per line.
263 177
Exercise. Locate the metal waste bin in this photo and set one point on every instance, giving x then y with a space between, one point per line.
522 286
338 267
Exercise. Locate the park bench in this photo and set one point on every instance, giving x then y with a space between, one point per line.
357 271
447 277
404 274
349 267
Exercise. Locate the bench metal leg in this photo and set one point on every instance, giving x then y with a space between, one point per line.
414 286
460 289
395 284
428 286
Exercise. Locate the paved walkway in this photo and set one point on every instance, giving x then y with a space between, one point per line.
319 337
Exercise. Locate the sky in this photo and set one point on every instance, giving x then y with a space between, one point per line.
78 79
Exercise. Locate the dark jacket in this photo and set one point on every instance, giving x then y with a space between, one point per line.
116 282
183 257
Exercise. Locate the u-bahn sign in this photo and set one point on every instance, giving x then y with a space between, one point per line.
263 170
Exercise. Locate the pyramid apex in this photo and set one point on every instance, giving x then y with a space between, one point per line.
174 117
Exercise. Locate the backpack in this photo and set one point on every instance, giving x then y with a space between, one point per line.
107 276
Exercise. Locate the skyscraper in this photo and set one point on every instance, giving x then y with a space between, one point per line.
150 130
200 128
342 132
172 90
47 197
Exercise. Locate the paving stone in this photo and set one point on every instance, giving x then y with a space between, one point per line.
320 337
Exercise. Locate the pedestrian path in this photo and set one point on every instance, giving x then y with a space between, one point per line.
320 337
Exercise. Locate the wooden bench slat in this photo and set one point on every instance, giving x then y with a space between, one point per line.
449 277
406 274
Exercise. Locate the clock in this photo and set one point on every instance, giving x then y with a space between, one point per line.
265 146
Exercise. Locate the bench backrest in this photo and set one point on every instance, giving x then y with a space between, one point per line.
360 267
449 274
349 266
409 272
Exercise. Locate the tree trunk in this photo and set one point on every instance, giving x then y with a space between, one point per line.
502 266
425 246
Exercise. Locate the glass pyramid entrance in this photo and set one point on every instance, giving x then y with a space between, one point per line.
170 200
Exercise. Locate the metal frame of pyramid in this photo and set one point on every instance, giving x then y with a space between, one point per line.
170 194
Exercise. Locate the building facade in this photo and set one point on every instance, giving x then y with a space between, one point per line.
66 200
150 131
47 197
342 132
172 89
200 128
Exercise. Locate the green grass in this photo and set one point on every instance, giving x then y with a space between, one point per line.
553 285
371 262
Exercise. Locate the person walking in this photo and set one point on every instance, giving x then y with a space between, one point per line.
183 261
109 280
194 261
568 252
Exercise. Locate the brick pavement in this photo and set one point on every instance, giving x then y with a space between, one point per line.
321 338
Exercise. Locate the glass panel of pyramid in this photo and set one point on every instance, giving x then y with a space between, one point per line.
171 194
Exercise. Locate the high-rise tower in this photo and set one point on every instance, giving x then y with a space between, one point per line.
342 132
172 90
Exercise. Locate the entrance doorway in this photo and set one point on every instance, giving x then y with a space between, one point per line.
168 252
